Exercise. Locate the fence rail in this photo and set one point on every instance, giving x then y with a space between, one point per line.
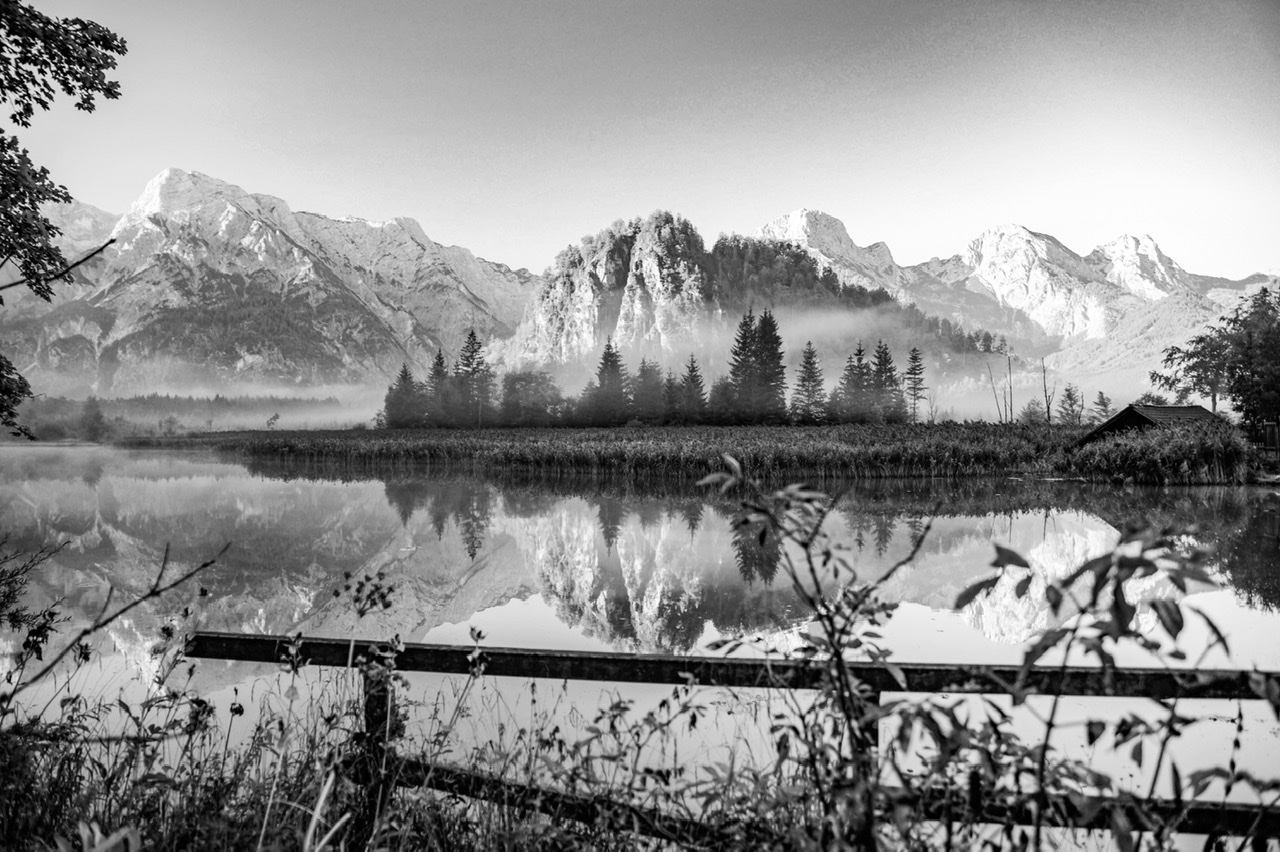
1196 817
718 671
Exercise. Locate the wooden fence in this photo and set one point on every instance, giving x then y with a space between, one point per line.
1237 820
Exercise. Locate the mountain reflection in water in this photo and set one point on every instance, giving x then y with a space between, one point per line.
629 568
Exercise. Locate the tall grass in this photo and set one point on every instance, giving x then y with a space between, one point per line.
657 453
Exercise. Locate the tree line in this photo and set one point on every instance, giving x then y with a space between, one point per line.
870 389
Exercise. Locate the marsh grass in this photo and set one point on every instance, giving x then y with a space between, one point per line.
1178 455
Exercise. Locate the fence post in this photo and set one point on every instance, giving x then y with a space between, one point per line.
379 754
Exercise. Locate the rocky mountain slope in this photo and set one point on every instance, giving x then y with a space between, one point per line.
207 284
1121 304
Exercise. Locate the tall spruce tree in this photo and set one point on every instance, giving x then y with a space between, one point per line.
647 393
722 401
913 382
436 391
743 373
401 406
474 380
886 385
609 403
671 398
693 394
771 372
808 405
853 398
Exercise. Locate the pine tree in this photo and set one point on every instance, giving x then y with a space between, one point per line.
886 386
853 398
743 375
808 405
647 393
914 382
475 383
436 391
838 407
1102 409
693 396
400 406
771 372
722 401
609 403
1071 406
671 398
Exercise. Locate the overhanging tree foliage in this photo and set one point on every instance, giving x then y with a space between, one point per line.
40 56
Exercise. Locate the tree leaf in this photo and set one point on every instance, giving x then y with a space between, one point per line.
1006 557
898 674
1054 594
967 596
1023 585
1094 729
1170 615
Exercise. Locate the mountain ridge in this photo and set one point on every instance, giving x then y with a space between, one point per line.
208 285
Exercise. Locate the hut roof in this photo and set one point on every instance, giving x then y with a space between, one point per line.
1138 416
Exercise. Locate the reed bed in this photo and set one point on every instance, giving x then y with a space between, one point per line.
658 453
1180 455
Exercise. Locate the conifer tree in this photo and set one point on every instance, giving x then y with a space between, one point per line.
1102 409
1071 406
771 372
743 375
853 393
609 403
474 380
436 391
838 404
887 386
400 406
914 382
722 401
671 398
647 392
693 395
808 405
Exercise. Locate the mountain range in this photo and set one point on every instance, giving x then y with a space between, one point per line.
207 286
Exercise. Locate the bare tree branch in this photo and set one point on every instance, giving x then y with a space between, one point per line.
99 250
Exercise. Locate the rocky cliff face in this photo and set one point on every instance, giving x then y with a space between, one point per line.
1100 307
207 284
641 283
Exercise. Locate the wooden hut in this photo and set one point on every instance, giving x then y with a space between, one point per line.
1143 417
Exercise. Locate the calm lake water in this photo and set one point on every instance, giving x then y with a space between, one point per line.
586 566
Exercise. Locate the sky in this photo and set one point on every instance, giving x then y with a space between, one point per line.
516 128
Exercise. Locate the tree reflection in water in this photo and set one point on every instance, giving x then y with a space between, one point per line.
644 568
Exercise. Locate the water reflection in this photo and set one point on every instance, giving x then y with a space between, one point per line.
641 569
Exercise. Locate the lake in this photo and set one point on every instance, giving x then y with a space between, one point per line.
577 565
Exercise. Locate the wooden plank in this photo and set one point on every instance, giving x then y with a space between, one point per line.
716 671
1230 820
589 810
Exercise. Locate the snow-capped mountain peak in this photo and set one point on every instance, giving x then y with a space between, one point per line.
1136 264
827 241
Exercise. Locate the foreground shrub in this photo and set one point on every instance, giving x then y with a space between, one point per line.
1192 454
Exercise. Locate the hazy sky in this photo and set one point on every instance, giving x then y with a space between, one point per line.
515 128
